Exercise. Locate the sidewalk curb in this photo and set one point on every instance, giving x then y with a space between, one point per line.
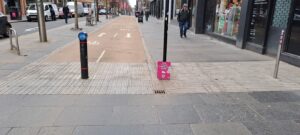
17 21
151 66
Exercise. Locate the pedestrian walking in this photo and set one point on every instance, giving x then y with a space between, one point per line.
183 19
147 14
66 11
53 18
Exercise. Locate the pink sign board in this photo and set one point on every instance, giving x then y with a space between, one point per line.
162 70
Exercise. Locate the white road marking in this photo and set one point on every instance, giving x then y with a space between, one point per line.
93 43
115 35
100 57
101 34
124 29
128 35
31 29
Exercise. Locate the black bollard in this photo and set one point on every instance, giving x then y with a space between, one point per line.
83 55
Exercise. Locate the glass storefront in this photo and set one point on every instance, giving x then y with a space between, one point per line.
227 17
222 17
293 45
258 21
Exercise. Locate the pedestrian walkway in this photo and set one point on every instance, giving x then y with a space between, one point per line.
253 113
214 89
203 64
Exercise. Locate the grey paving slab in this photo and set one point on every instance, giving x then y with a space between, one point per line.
170 99
226 98
24 131
133 115
226 113
11 100
273 128
32 117
4 131
275 96
102 100
5 113
181 114
76 116
119 130
56 131
278 111
49 100
220 129
177 129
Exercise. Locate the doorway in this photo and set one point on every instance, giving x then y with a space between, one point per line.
293 43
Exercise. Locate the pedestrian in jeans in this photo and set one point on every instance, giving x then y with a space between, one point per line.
183 20
66 11
53 17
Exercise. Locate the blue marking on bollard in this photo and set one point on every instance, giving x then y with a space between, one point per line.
82 36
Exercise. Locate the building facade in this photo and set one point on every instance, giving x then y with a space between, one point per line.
248 24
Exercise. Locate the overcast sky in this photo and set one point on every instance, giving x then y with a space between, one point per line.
132 2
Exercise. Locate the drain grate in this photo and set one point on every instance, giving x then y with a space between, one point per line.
159 92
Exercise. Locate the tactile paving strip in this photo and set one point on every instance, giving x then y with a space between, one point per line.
65 78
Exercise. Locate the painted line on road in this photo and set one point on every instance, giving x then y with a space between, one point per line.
31 29
93 43
128 35
100 57
101 34
115 35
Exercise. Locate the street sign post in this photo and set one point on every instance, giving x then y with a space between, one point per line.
163 66
83 55
281 42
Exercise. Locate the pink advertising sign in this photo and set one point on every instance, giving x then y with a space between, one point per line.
162 70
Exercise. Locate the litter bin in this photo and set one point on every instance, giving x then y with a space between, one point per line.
14 14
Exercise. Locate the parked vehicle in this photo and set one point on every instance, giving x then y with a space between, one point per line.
102 11
80 10
31 12
4 25
85 10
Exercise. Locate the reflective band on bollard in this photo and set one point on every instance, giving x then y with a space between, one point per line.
83 55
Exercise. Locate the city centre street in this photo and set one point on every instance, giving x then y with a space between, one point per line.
215 88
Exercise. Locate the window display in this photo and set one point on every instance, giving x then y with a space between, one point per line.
227 17
258 21
293 46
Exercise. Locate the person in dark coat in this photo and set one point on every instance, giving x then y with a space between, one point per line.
53 18
147 14
66 11
183 19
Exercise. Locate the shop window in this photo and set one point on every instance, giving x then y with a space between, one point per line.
293 46
258 21
227 17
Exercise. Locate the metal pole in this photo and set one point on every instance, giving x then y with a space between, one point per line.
41 21
278 54
166 19
83 55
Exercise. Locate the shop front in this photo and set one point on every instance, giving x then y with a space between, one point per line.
292 45
222 18
259 21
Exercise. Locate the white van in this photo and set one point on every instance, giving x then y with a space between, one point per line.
31 12
80 10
